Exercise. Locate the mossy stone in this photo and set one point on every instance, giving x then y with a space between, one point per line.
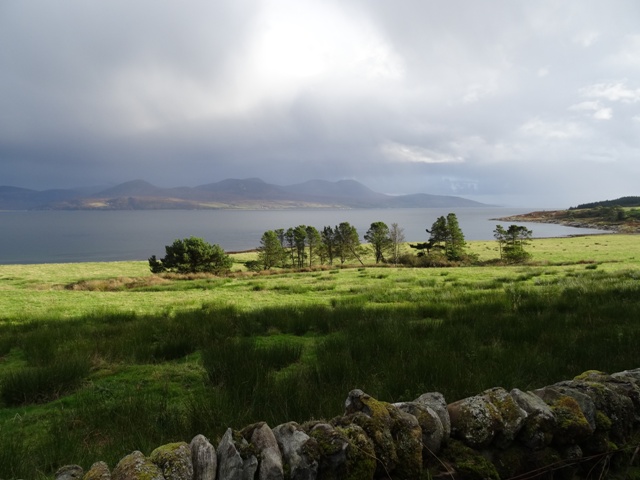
331 451
571 424
174 459
474 420
511 462
361 457
136 466
512 417
98 471
467 462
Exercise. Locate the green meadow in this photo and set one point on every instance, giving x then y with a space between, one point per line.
100 359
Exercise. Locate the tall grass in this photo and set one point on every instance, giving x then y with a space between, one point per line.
142 380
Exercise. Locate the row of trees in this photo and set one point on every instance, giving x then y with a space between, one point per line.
305 245
302 246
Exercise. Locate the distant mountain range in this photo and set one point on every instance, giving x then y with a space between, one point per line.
249 193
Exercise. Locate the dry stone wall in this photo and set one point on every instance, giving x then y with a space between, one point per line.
588 427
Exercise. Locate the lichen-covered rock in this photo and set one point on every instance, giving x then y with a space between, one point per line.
436 401
361 459
230 463
296 457
69 472
475 421
537 431
571 424
98 471
174 459
203 458
512 417
396 435
136 466
331 451
630 374
407 435
618 408
467 463
378 427
270 464
511 462
430 424
553 393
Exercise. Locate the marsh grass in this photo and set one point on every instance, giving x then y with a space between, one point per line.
163 360
43 384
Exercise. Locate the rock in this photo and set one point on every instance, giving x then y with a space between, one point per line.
331 451
396 435
98 471
437 403
572 425
630 374
266 444
292 441
618 408
430 424
174 459
361 454
553 393
537 431
136 466
69 472
236 459
230 463
512 417
475 421
249 467
203 458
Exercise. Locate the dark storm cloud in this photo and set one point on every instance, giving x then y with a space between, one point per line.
506 102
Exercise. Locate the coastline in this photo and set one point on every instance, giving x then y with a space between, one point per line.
567 218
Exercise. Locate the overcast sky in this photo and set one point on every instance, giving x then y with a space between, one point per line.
516 102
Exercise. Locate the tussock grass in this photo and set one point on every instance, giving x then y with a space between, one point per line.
159 359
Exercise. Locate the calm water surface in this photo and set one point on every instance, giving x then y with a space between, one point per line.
85 236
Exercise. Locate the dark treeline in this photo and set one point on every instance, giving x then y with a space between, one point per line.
619 202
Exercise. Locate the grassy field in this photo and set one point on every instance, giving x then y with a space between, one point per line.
99 359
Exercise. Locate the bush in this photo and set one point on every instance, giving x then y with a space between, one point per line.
192 255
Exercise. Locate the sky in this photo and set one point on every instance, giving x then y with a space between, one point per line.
509 102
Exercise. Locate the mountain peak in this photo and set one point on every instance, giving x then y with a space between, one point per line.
133 188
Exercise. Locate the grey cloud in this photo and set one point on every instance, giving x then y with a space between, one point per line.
490 100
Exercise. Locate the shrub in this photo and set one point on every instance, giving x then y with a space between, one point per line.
192 255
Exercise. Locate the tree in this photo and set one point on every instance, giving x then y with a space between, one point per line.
396 236
512 242
346 242
328 238
192 255
271 252
313 242
290 244
378 237
300 243
445 235
454 243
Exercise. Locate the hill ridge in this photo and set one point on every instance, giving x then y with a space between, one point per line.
230 193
